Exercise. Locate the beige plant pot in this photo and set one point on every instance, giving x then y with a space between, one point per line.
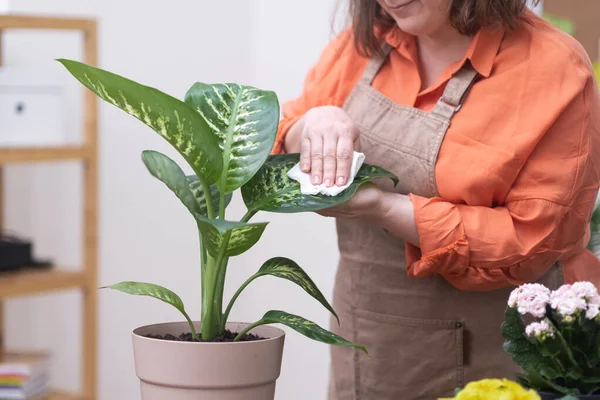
207 371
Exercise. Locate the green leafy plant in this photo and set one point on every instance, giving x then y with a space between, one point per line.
225 132
594 243
559 350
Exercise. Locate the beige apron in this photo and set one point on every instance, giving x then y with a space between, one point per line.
424 337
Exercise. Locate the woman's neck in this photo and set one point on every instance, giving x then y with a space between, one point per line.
437 51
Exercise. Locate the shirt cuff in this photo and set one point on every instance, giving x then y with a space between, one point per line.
444 248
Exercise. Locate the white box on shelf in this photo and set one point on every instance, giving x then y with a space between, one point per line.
31 108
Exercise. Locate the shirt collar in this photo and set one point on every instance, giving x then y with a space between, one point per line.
482 50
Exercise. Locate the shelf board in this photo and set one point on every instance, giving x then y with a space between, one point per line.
29 281
37 154
14 21
57 395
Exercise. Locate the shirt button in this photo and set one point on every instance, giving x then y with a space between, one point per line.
458 325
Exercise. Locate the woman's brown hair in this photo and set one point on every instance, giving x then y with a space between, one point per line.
466 16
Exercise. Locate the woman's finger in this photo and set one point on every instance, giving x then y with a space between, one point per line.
356 143
329 159
305 155
316 159
344 153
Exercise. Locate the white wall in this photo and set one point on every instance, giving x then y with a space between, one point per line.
537 8
145 234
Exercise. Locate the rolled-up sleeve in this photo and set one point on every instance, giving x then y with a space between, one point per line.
544 219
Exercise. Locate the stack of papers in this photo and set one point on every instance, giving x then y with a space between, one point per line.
24 375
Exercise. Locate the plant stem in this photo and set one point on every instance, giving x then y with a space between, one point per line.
220 288
209 327
556 387
248 329
221 280
194 335
247 216
234 298
212 324
213 321
222 206
565 345
203 259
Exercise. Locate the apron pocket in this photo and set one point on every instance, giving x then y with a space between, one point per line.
409 358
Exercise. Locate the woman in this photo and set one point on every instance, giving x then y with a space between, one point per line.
490 118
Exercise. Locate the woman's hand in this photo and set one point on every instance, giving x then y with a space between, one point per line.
391 211
367 203
326 138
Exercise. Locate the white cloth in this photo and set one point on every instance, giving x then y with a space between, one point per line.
306 187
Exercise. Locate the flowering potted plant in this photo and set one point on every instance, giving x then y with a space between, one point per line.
494 389
225 132
554 336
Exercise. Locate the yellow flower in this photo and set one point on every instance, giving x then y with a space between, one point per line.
597 71
487 385
495 389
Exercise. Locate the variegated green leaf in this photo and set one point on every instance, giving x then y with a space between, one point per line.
271 189
244 119
152 290
523 352
198 192
305 327
187 188
242 236
172 119
285 268
149 289
168 172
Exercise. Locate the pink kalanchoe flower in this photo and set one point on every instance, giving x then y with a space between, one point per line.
530 298
585 290
593 308
540 330
568 300
592 311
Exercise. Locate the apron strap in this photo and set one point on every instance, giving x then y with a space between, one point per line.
456 91
374 66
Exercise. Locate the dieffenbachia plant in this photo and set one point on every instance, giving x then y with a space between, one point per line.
225 132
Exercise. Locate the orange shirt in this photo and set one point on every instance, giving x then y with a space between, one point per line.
518 170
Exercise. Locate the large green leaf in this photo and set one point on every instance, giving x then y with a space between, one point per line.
244 119
272 190
240 236
198 192
168 172
149 289
305 327
285 268
523 352
172 119
155 291
188 189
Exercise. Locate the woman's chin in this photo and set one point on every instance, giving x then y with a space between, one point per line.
414 25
